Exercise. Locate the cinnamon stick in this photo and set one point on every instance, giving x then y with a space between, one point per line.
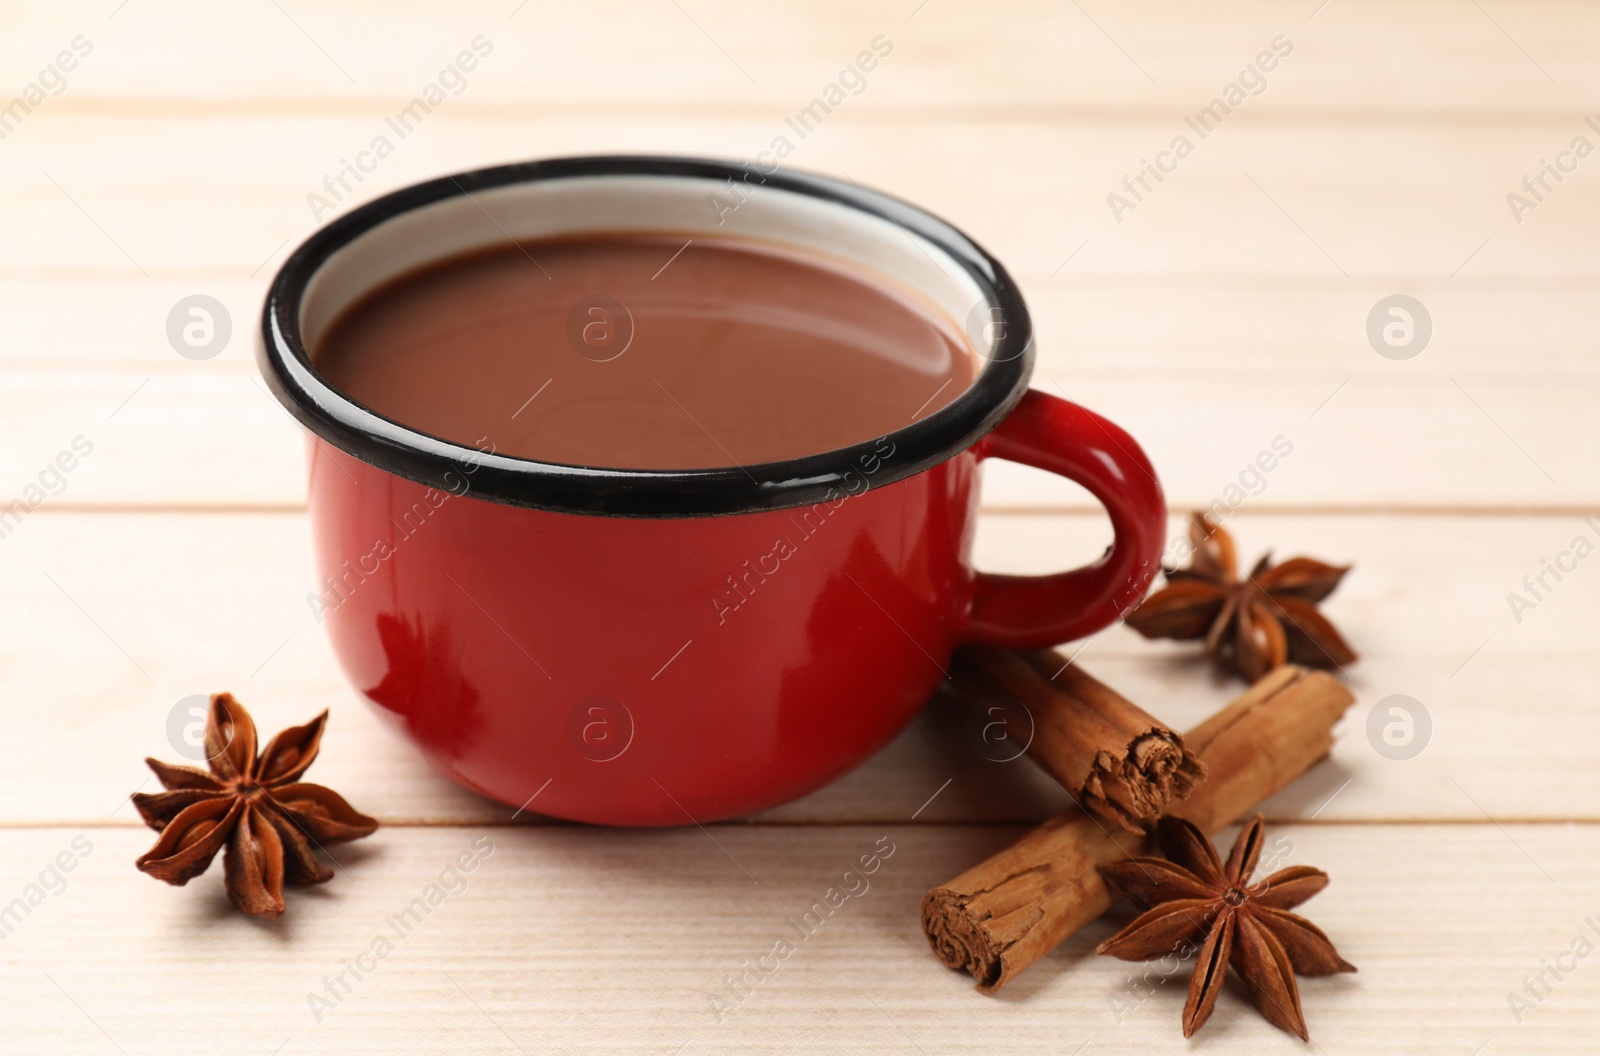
1113 757
997 918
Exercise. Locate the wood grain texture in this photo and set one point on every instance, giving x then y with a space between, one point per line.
146 193
1025 60
1228 308
116 618
209 437
594 941
1195 326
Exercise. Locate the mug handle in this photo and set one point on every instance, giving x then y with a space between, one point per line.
1034 612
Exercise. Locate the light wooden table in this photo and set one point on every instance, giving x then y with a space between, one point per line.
1229 307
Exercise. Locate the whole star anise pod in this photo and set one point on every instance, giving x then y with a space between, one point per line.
256 806
1251 625
1190 897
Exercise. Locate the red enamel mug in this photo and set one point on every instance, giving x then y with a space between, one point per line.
642 647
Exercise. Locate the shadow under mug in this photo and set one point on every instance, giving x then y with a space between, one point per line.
638 647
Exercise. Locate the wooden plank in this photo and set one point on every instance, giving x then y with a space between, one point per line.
573 939
1212 318
118 618
205 434
159 194
191 434
1189 325
1030 56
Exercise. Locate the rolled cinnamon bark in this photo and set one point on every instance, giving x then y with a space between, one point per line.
1113 757
997 918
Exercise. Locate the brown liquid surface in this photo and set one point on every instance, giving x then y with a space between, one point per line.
738 353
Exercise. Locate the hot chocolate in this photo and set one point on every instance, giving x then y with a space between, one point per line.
646 351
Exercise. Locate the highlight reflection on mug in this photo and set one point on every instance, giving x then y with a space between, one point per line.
600 728
1001 728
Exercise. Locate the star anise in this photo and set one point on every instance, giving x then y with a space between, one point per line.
256 806
1251 625
1191 898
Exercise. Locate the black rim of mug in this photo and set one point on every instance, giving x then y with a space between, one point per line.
389 445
